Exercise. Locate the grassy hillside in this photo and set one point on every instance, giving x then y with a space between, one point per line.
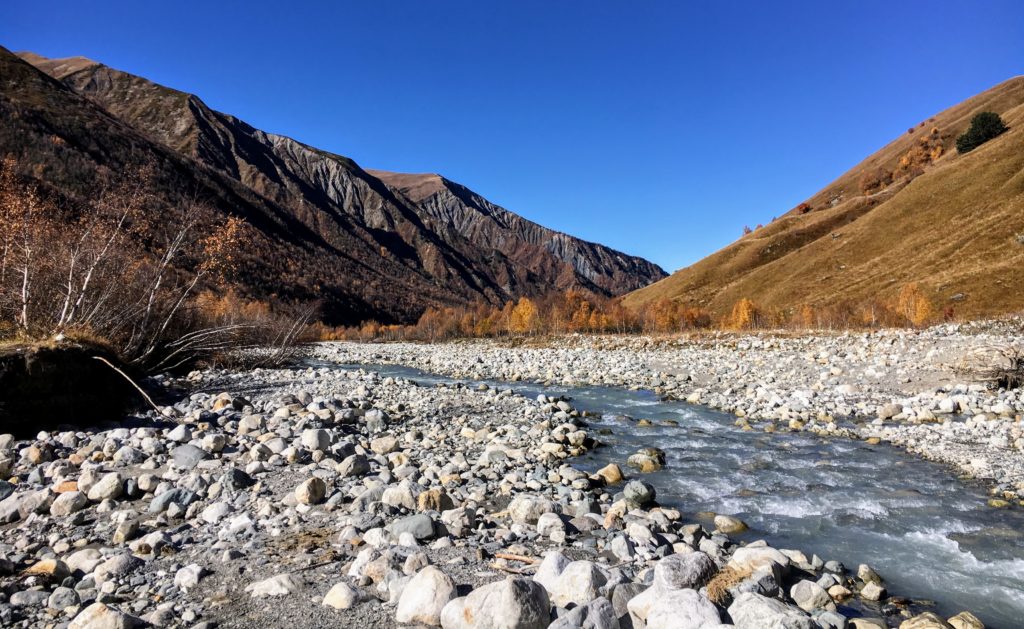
915 211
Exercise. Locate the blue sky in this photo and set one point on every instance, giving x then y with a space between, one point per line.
659 128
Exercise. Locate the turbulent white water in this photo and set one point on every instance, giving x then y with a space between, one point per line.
929 534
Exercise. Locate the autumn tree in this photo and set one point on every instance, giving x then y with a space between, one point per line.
744 316
524 317
913 304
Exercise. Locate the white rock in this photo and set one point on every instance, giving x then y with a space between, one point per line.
424 597
99 616
277 585
189 576
341 596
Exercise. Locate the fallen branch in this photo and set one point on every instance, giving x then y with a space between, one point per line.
522 573
520 558
132 382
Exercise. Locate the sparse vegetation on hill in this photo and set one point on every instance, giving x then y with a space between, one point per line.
917 212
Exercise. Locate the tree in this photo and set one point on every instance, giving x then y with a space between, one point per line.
984 127
914 305
745 315
524 317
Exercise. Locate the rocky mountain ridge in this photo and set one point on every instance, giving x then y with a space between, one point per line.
440 237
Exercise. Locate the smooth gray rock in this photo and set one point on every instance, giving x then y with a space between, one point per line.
419 525
188 456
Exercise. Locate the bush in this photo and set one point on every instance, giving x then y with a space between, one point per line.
984 127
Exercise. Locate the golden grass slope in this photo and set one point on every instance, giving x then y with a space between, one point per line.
957 229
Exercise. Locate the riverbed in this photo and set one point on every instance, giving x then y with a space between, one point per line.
926 531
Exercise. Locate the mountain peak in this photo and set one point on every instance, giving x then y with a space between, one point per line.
57 68
416 186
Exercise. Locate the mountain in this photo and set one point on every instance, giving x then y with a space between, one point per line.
558 258
393 253
915 211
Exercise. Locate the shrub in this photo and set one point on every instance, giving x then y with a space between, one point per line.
984 127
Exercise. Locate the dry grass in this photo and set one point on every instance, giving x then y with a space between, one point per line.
728 577
952 229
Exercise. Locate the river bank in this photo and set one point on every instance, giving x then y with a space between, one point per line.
913 389
324 496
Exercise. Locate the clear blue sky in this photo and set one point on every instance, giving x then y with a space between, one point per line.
656 128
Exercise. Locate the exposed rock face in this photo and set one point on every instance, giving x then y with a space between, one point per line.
432 244
552 257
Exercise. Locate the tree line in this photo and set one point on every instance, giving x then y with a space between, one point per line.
577 311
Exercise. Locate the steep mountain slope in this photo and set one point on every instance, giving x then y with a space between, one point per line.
915 211
320 187
68 143
563 259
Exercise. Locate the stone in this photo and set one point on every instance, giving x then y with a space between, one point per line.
424 597
866 574
872 592
927 620
753 557
311 491
384 445
691 571
178 495
434 500
109 487
549 523
188 456
966 620
420 526
67 503
682 609
513 603
353 465
526 509
29 598
100 616
215 512
611 474
189 576
550 568
341 596
579 583
84 561
277 585
753 611
729 525
809 596
53 570
62 598
638 493
316 439
116 567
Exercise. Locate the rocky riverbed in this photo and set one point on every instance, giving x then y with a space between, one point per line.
326 496
913 389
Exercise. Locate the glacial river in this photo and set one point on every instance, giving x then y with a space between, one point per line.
928 533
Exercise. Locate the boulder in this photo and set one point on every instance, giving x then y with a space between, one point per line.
753 611
513 603
682 609
424 597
